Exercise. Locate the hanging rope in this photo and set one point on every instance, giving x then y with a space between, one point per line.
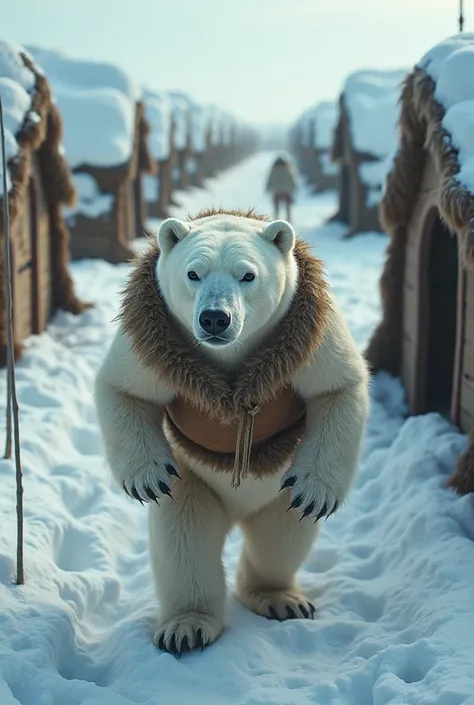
12 402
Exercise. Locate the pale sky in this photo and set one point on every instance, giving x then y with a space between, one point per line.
265 60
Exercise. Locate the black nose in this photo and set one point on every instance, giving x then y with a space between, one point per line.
214 321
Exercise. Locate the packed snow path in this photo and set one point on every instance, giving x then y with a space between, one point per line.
392 574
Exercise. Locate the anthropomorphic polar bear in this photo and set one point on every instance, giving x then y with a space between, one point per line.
232 393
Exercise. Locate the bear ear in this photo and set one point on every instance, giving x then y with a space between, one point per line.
171 232
281 234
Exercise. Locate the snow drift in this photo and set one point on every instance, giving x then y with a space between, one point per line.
391 574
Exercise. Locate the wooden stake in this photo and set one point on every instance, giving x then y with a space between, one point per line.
12 401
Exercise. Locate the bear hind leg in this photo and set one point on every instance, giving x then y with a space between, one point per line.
187 534
276 543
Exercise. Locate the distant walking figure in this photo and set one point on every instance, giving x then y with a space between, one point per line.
282 183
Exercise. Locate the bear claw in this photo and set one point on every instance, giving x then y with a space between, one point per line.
172 471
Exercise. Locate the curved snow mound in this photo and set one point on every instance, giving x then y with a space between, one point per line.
16 84
97 102
451 65
371 99
83 73
99 126
158 115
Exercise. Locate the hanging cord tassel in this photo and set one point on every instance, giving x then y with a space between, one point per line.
243 448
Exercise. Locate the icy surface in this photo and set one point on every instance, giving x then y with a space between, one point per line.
451 64
391 574
90 201
16 84
158 115
97 102
371 99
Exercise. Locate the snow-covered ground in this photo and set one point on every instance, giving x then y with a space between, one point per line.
392 573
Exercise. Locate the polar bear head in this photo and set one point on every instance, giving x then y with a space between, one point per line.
225 277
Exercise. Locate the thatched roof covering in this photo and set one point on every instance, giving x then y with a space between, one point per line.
421 132
41 130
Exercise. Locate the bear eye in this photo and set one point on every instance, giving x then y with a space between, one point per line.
249 277
193 276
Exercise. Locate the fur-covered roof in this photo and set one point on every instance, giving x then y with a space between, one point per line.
421 133
36 134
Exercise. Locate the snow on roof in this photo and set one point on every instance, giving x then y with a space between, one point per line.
372 102
99 126
215 120
16 84
227 122
325 116
84 73
97 102
306 124
451 65
158 115
180 109
90 201
199 123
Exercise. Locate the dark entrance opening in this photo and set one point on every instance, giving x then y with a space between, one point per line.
442 298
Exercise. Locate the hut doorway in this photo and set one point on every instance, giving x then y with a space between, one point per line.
439 313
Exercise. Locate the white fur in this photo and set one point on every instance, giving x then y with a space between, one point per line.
221 250
187 532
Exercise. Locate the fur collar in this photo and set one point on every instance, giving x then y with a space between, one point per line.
161 345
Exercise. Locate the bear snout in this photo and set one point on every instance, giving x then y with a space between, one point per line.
214 321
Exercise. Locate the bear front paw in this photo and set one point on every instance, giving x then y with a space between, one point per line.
310 495
151 484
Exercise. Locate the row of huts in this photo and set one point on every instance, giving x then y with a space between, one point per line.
349 145
90 157
403 142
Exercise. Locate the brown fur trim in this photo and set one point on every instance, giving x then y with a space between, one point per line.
160 344
249 213
146 163
42 137
462 479
422 132
267 458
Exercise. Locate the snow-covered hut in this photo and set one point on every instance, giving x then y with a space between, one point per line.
199 122
324 172
39 182
364 140
180 107
427 332
105 140
311 140
157 187
210 161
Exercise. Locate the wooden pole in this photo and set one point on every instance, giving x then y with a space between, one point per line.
12 400
461 15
